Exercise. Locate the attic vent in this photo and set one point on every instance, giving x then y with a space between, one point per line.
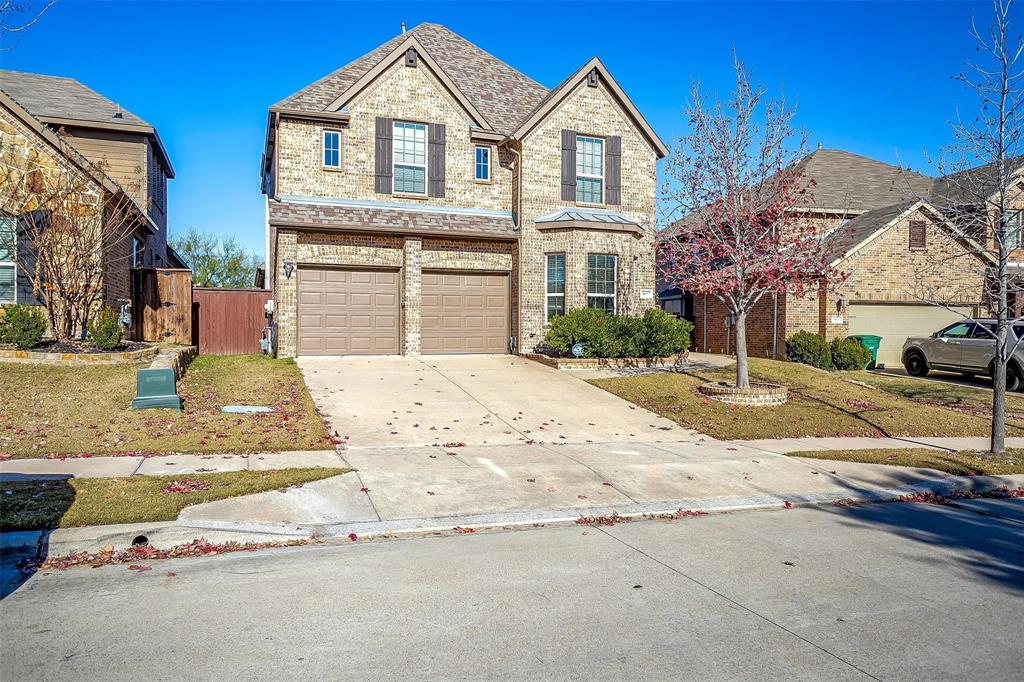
592 78
410 57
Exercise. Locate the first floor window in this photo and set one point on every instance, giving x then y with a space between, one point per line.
482 166
409 158
589 170
601 282
555 292
8 268
136 252
332 149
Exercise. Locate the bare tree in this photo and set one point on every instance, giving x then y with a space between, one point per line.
71 233
979 198
734 178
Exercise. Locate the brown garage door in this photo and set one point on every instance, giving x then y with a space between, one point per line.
348 311
464 313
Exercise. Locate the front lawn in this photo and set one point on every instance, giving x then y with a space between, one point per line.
943 394
820 404
52 409
964 463
68 503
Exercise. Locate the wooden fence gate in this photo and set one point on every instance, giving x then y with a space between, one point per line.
162 305
228 321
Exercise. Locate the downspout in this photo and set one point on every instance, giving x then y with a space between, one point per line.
704 326
775 326
517 214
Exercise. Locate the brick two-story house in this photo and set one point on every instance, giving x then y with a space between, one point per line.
888 231
55 125
429 198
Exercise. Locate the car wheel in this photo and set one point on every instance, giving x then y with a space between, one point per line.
915 365
1013 380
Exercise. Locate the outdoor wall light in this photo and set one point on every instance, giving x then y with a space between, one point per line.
288 267
841 304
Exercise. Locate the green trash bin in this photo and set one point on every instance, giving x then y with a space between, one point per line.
871 342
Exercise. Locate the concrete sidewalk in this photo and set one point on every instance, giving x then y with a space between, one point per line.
163 465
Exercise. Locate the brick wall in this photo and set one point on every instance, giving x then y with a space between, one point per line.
402 93
590 111
711 334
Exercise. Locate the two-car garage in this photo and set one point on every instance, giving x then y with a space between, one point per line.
358 311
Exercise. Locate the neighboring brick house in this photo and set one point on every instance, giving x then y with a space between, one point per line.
429 198
884 230
57 125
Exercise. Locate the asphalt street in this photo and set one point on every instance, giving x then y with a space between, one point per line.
883 591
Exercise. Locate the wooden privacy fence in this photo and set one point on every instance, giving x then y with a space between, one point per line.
228 321
162 305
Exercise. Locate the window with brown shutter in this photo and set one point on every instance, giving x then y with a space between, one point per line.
918 234
568 165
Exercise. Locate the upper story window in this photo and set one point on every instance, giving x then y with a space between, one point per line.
136 252
1013 229
589 170
601 282
554 297
8 268
410 158
332 149
482 164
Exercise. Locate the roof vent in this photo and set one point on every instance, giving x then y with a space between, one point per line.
410 57
118 113
592 78
819 146
403 28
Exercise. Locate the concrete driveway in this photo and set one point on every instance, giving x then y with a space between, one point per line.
387 402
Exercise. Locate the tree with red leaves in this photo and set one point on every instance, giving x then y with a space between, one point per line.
733 177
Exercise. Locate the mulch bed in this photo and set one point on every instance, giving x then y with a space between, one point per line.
81 347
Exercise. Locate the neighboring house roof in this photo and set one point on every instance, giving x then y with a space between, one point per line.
389 217
73 156
503 95
57 100
852 183
972 185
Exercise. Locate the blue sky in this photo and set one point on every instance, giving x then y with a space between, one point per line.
871 78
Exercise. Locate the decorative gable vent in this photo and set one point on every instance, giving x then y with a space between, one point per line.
411 57
592 78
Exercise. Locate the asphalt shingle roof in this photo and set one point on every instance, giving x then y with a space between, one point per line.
504 96
849 181
972 185
59 97
856 230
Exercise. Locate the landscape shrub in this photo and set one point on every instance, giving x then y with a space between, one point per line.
655 334
105 329
22 325
809 349
849 353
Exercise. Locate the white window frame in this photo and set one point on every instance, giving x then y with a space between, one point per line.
323 148
1015 225
404 164
137 248
13 263
600 177
547 294
615 281
476 163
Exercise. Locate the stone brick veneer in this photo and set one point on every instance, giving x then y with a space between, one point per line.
761 395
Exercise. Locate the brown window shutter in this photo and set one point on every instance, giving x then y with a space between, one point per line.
918 234
568 165
382 156
613 170
435 159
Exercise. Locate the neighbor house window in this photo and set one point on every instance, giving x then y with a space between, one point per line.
8 269
1013 229
332 149
589 170
555 292
136 252
410 158
482 164
601 282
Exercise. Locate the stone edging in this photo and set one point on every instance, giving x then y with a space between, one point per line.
756 396
595 363
45 358
177 358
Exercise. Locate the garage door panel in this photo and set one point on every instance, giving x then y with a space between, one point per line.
894 323
464 313
347 311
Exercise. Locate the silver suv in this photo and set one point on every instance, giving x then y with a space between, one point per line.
966 347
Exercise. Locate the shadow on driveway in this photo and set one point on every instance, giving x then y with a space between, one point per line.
31 506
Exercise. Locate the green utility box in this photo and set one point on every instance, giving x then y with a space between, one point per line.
870 342
156 388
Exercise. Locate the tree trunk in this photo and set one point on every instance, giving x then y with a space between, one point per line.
742 374
998 441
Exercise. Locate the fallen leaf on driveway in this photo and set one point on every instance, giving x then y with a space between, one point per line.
531 480
353 537
171 574
787 504
366 490
789 563
139 567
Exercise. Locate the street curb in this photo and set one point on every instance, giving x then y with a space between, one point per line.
164 535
